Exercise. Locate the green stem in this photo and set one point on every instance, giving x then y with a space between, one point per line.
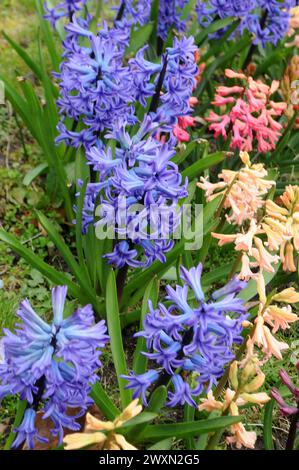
293 431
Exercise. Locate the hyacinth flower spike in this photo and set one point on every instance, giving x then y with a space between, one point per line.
191 344
51 366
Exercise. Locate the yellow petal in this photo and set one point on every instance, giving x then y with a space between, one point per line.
132 410
261 288
94 424
258 398
121 441
80 440
289 296
255 384
245 158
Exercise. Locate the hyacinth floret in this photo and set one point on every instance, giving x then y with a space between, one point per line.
66 9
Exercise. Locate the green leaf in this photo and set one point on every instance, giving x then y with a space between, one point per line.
130 318
216 275
59 25
181 157
79 244
212 28
166 444
140 37
24 56
268 417
250 291
103 402
142 418
40 122
34 173
48 36
69 259
189 415
19 104
114 329
183 430
283 141
198 167
151 293
202 441
221 61
158 399
35 261
22 405
156 402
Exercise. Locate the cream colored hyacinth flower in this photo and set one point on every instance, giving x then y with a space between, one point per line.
245 379
294 26
275 316
242 190
102 433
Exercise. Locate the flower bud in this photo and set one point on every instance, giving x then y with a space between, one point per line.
289 296
255 384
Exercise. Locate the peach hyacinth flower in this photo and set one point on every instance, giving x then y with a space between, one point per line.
281 317
245 381
289 87
102 434
241 437
243 193
294 25
281 225
275 316
243 190
264 338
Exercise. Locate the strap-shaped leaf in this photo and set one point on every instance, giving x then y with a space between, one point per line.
22 404
268 417
34 173
183 430
139 38
79 244
114 328
103 402
48 35
165 444
198 167
69 259
141 419
156 402
24 56
213 28
189 415
250 291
